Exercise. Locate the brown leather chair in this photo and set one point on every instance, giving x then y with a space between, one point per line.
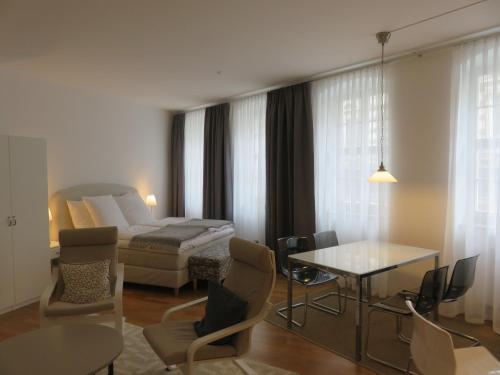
251 277
85 246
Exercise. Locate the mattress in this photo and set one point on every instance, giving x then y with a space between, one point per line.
164 260
168 257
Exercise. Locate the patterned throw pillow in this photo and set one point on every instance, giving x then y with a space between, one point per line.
85 282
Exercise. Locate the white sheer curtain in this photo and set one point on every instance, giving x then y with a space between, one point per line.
248 133
473 223
193 162
346 113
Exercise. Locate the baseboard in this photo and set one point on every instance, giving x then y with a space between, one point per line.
19 305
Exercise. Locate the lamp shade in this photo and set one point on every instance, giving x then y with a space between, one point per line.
50 215
151 200
381 175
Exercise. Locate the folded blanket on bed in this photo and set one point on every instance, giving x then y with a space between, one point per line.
175 234
204 223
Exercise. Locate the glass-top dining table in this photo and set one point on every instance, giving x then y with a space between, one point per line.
358 260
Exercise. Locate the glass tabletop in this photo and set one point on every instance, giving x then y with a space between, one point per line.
363 258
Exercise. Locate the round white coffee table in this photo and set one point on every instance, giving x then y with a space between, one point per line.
77 349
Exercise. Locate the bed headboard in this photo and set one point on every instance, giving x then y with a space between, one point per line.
59 209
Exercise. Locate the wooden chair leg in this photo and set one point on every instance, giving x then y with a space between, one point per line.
176 292
195 284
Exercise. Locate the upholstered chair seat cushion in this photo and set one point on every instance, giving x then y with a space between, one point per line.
59 308
223 309
170 341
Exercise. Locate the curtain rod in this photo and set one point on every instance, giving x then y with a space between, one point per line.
418 51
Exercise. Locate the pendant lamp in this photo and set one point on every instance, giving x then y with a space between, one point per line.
382 175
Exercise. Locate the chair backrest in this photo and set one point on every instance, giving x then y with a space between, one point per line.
325 239
291 245
431 347
431 290
89 245
462 278
251 277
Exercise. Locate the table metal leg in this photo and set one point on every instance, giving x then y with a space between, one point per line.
369 289
359 317
111 369
435 313
290 296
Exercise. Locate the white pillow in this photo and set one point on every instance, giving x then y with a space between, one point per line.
134 209
80 215
105 211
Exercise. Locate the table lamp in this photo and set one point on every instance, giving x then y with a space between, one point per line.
151 201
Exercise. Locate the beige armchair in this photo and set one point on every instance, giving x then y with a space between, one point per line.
251 277
85 246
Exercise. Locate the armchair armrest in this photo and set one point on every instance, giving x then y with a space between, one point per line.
174 309
205 340
118 291
49 290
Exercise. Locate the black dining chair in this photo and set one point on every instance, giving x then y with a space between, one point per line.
323 240
305 275
327 238
426 301
461 281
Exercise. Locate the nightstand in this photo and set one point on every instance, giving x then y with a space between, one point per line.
54 252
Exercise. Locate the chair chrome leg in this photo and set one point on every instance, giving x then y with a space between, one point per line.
475 341
281 312
347 296
399 331
315 305
408 366
306 300
367 352
331 310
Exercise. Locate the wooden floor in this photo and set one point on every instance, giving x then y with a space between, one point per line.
272 345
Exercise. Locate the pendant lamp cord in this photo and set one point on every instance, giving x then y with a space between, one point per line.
382 108
438 15
382 64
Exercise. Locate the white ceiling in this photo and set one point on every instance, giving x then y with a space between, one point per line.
167 53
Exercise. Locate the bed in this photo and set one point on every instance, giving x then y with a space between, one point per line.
148 257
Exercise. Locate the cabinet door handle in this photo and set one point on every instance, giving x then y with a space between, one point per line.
9 221
14 220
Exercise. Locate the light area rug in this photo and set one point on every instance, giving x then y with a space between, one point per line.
138 358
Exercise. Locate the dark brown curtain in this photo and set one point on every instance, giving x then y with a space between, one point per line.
177 166
217 165
289 163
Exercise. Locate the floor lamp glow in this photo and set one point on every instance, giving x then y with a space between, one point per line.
151 201
382 175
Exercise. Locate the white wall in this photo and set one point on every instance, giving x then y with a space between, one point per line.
420 101
90 138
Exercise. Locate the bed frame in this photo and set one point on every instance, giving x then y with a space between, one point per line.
171 278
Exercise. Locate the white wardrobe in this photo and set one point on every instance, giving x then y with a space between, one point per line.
24 227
